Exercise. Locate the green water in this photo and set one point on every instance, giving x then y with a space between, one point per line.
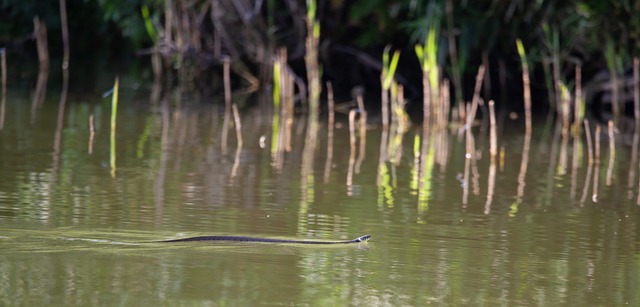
75 230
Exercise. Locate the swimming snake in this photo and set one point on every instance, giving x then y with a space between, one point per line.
266 240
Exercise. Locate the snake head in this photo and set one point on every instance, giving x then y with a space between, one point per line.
364 238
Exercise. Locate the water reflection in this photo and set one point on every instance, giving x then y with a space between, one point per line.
451 222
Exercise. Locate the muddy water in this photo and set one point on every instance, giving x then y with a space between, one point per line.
536 225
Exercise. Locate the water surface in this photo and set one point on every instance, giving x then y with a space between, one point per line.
450 228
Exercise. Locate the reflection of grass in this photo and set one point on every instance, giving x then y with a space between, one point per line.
144 138
424 193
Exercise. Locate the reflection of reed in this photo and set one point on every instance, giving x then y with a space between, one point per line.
524 163
612 152
575 163
158 188
494 151
553 162
225 130
566 108
156 90
470 152
306 171
236 159
352 151
283 100
564 147
330 126
633 164
445 104
587 180
382 167
587 132
40 91
92 133
353 163
594 196
60 119
425 169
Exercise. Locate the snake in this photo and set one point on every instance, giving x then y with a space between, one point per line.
359 239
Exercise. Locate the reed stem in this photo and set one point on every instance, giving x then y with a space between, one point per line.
471 114
526 84
65 34
40 34
311 58
114 114
227 81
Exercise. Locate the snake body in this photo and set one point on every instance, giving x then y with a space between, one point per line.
266 240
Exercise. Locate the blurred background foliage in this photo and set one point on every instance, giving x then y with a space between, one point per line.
576 31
